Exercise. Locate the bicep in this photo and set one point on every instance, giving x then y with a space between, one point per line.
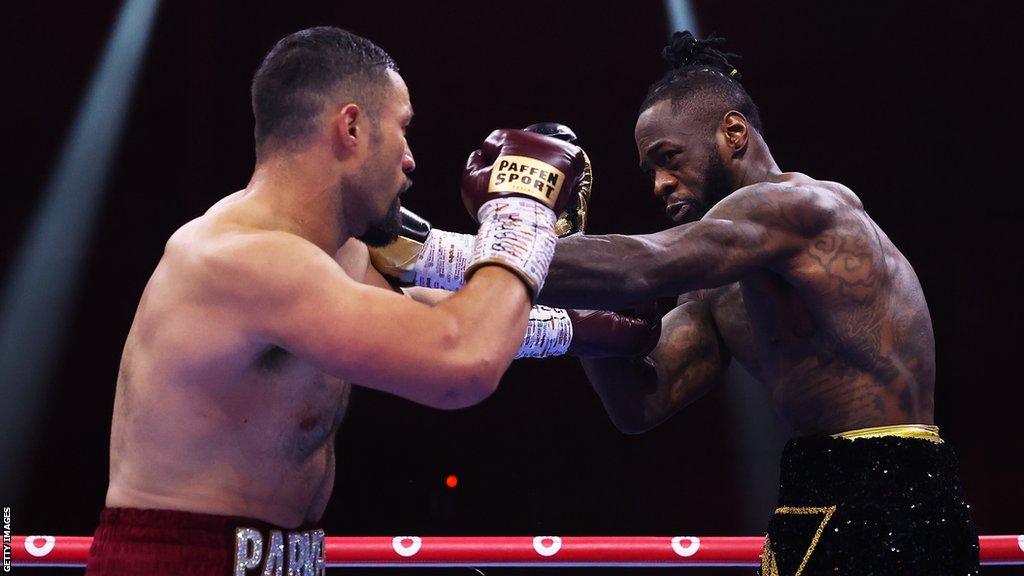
354 258
369 335
300 300
752 229
705 254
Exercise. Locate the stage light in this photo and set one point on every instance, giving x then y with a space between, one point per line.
680 16
45 274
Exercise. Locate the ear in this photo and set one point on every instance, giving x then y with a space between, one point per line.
349 126
736 132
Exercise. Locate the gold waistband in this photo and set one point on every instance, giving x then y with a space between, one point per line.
921 431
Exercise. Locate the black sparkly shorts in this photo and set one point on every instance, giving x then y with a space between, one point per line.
870 507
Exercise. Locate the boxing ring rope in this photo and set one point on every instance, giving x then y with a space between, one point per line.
520 551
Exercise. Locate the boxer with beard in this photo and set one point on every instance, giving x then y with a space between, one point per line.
790 276
235 373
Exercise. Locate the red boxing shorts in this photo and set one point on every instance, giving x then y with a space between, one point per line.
130 542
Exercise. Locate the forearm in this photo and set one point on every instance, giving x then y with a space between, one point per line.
490 314
451 355
549 331
598 272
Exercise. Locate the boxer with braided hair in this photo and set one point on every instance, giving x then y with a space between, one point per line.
790 276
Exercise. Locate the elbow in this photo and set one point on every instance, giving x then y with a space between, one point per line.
645 278
473 382
636 416
472 375
636 284
632 424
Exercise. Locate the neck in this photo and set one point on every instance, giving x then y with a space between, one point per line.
304 198
758 165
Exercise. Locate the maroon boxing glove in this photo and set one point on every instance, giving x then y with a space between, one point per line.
587 333
513 186
597 334
525 164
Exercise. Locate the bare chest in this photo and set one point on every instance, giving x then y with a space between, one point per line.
304 405
764 323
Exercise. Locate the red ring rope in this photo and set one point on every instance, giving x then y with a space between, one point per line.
564 551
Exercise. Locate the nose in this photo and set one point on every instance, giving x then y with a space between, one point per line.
664 184
408 162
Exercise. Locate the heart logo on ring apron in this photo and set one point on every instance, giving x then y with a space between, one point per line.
547 549
39 551
691 547
406 551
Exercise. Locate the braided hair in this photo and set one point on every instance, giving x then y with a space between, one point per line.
703 78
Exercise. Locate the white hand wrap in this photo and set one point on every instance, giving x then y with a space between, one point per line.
548 333
444 260
519 234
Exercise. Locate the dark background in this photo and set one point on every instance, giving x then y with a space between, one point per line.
909 104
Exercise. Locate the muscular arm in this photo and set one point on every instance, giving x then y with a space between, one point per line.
639 394
288 293
354 258
758 226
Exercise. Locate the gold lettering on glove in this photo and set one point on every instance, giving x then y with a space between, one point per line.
527 176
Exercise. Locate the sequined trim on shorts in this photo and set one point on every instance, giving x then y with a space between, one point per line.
768 565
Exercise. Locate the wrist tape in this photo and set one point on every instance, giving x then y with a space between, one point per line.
444 260
548 333
518 234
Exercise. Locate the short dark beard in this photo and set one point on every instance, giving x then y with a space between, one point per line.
717 182
386 230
